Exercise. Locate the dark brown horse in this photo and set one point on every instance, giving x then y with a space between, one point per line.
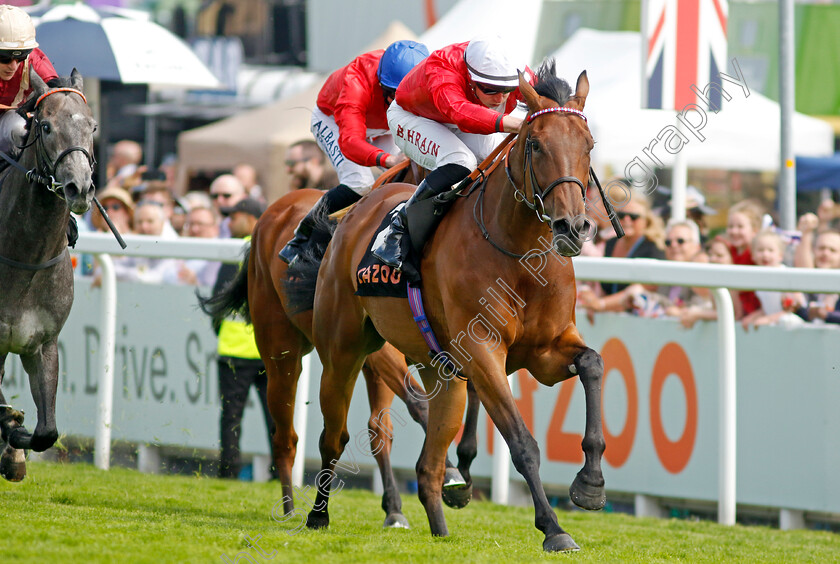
51 178
284 338
498 294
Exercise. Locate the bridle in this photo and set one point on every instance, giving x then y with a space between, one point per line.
530 181
537 204
44 171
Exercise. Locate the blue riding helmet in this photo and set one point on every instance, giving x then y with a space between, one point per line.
399 58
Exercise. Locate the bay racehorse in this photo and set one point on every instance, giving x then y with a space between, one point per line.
283 338
499 294
51 177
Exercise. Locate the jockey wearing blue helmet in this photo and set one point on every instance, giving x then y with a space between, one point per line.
350 125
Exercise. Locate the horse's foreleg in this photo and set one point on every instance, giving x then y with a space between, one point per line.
445 412
381 433
42 368
337 383
587 490
525 454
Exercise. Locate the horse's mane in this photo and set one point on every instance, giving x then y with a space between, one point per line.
550 85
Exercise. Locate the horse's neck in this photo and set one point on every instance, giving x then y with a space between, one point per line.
30 215
510 220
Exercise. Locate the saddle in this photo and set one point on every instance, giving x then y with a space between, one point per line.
375 278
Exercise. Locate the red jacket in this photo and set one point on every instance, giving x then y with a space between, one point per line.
749 301
438 89
353 96
9 89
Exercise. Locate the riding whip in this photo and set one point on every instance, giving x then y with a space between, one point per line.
110 223
616 223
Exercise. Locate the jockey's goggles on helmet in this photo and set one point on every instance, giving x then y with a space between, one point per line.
7 57
492 89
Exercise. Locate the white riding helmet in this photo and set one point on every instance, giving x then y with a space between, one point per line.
17 32
488 62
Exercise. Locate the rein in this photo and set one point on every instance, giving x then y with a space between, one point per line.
537 205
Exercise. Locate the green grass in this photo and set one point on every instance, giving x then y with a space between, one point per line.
70 513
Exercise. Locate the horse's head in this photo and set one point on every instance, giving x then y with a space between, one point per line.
61 135
554 147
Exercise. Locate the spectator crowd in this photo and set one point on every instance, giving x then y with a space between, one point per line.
750 238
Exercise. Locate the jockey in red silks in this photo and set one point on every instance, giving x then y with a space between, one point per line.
444 117
19 55
350 126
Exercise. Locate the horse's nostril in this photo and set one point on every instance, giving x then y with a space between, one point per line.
561 227
584 228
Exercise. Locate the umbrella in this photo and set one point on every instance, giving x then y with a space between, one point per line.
112 44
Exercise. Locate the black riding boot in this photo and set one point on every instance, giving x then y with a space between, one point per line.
388 251
335 199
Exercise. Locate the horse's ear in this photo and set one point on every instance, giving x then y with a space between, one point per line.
528 92
581 91
76 79
37 83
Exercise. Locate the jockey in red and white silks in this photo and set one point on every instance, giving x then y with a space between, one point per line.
18 56
444 118
350 126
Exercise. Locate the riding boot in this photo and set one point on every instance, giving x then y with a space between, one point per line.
388 250
335 199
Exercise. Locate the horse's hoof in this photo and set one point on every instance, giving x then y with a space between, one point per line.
457 496
318 520
452 477
395 521
13 464
587 496
560 543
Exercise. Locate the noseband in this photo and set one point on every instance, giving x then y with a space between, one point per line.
538 203
44 173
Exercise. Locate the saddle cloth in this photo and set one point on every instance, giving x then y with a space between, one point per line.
374 278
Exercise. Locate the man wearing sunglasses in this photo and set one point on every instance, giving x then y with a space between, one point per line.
350 126
444 117
19 55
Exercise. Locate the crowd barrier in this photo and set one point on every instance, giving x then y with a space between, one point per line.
670 394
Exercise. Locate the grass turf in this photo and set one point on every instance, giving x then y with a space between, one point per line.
69 513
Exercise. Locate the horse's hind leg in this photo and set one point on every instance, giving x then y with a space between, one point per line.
42 368
445 412
12 460
390 367
457 494
381 432
587 490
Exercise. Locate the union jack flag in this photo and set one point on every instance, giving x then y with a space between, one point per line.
685 46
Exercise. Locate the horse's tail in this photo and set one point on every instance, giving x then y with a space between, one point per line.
303 274
233 299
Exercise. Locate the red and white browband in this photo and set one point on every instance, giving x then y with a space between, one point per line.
555 109
54 90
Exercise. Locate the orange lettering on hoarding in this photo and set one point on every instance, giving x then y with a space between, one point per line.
616 357
562 446
674 455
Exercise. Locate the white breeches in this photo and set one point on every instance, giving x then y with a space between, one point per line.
12 131
431 144
355 176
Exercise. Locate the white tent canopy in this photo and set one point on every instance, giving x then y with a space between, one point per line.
518 25
743 135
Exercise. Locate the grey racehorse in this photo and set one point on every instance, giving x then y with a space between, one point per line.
52 176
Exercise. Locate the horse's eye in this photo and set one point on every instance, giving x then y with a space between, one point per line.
46 128
535 145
